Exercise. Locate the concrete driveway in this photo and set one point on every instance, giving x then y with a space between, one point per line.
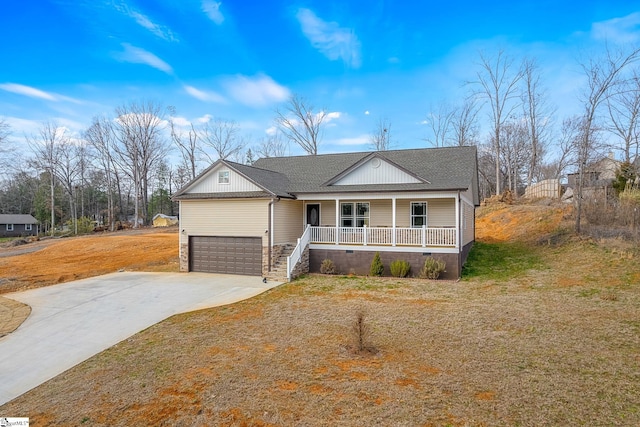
73 321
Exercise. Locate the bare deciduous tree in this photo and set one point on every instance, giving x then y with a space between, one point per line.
537 114
140 145
5 131
381 136
298 122
498 85
440 122
187 143
223 137
602 75
46 149
101 138
272 146
464 124
624 115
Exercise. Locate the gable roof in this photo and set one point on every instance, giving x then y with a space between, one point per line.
17 219
369 157
273 183
435 169
448 168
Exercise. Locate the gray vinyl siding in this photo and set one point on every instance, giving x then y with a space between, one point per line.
235 217
288 221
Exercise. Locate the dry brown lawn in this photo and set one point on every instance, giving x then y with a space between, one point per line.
558 345
63 260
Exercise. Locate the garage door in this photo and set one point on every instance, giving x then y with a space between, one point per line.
229 255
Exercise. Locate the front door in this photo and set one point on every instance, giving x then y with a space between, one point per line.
313 215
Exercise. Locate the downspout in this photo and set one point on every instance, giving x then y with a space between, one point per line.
271 222
460 232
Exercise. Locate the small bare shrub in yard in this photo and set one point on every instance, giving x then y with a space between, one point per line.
361 333
400 268
377 268
327 267
432 268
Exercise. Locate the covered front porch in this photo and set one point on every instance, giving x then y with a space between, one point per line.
421 237
408 221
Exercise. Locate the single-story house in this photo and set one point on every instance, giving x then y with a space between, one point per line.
18 225
282 216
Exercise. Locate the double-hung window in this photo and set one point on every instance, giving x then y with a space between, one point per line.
418 214
354 214
27 227
9 227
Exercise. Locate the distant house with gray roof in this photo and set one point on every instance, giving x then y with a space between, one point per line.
283 216
18 225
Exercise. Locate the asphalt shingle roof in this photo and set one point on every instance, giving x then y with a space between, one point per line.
449 168
17 219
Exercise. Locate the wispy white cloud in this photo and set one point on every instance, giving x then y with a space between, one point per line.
212 9
29 91
145 22
207 96
618 30
333 41
256 91
138 55
358 140
204 119
33 92
271 130
158 30
333 115
181 121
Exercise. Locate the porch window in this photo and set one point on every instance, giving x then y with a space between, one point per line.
418 214
27 227
354 214
9 227
223 177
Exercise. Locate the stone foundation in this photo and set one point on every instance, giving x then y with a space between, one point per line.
184 257
359 262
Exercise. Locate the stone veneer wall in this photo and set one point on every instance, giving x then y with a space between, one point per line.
358 262
303 265
184 257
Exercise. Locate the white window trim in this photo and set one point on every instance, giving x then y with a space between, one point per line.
354 217
426 213
221 177
9 227
28 227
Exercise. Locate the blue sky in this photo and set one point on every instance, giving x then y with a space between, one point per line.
68 60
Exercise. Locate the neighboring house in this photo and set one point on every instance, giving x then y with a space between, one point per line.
18 225
162 220
598 174
405 204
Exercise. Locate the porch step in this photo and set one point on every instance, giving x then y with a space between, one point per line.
279 268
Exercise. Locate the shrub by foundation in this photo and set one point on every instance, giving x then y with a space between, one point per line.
400 268
327 267
377 268
432 268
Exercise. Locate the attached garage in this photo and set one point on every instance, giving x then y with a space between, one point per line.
227 255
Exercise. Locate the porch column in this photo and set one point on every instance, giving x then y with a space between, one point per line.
337 221
458 221
393 221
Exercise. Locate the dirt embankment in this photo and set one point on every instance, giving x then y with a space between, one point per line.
55 261
502 222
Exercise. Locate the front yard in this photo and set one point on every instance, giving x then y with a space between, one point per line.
547 336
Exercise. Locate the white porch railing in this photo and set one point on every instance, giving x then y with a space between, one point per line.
296 255
383 236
